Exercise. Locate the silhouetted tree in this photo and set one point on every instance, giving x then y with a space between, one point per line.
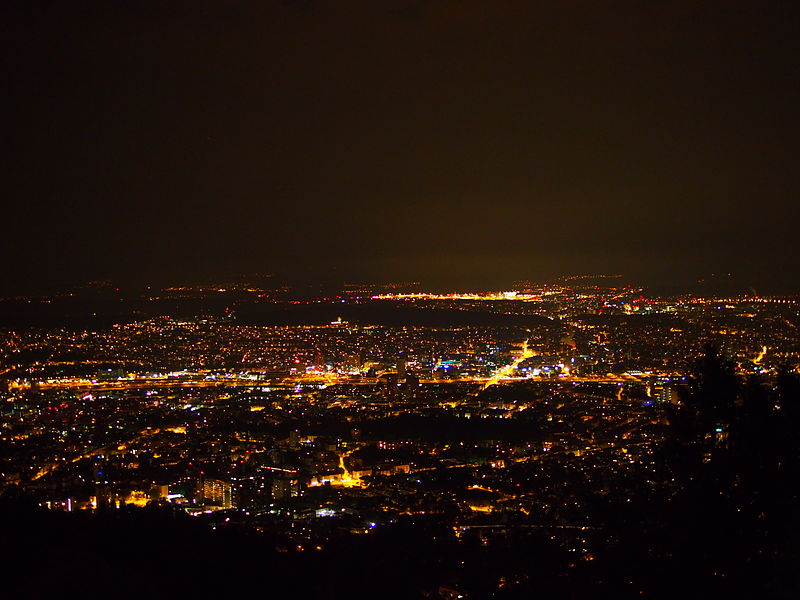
733 448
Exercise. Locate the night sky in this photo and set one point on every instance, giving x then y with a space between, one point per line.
467 143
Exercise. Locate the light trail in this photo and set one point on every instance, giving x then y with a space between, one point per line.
757 360
347 479
506 371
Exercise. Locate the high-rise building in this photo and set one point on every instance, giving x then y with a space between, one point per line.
285 487
218 493
401 370
668 394
102 493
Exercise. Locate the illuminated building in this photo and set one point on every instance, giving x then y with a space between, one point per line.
218 493
401 370
101 492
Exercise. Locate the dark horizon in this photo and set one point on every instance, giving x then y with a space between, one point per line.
320 284
462 144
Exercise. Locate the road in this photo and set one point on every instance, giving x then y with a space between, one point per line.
506 371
